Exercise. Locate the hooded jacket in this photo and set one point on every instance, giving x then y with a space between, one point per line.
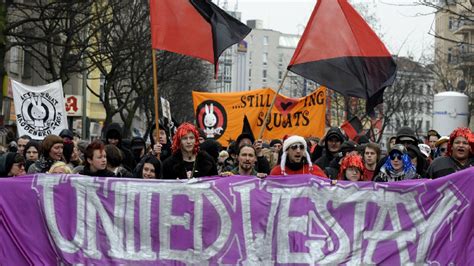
327 156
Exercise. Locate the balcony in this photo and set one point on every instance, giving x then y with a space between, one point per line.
464 25
463 56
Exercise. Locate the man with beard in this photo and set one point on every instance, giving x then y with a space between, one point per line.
247 157
458 155
295 159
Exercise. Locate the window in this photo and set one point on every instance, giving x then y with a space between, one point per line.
265 40
427 125
227 87
280 60
264 75
450 55
250 58
280 74
15 60
250 73
265 59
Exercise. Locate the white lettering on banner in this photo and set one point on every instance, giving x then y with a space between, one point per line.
410 222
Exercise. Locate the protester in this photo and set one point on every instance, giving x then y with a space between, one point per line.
262 165
391 142
138 146
66 134
113 135
332 146
60 168
187 161
296 159
441 147
148 168
212 147
247 157
405 136
12 164
347 147
351 168
21 143
115 161
458 155
31 153
371 156
397 166
276 145
432 137
160 143
52 151
418 160
96 160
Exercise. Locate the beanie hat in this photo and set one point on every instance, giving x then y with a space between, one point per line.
290 141
275 141
48 143
406 134
66 133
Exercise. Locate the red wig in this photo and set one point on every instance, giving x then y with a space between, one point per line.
350 161
460 132
182 131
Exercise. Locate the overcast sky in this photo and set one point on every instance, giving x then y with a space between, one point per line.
404 27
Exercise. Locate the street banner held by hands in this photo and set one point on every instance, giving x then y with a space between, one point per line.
221 115
39 110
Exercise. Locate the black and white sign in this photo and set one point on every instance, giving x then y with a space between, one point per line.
39 110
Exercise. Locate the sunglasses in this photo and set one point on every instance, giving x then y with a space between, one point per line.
397 156
442 149
296 146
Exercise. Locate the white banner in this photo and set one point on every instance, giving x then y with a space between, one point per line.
39 110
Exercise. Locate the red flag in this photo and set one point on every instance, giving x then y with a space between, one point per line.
196 28
352 127
340 51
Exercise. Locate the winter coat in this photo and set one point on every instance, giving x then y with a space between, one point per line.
175 167
443 166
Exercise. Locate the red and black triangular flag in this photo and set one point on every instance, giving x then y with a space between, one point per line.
197 28
340 51
352 127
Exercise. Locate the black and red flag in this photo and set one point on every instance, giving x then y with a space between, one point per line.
352 127
340 51
197 28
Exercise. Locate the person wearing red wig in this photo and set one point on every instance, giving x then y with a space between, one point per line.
458 157
187 161
351 168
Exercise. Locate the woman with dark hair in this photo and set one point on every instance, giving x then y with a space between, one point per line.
31 153
187 161
96 160
115 161
397 166
52 151
12 164
148 168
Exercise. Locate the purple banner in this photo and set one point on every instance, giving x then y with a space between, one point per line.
299 219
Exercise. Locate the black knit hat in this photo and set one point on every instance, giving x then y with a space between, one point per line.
275 141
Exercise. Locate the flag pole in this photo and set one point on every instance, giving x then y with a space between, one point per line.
262 129
155 92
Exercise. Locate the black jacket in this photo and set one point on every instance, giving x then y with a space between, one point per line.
175 167
443 166
103 173
128 159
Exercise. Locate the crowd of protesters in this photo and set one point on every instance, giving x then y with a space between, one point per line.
188 154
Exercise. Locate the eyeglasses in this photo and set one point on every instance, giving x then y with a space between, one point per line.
296 146
397 156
